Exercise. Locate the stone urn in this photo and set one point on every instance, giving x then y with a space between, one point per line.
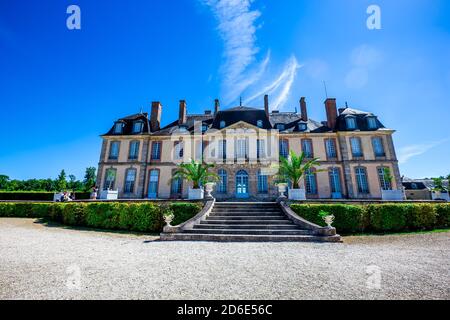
329 220
168 218
282 187
209 188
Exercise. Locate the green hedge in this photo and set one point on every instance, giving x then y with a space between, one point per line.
37 195
379 218
143 217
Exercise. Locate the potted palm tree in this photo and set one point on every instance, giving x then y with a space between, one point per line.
387 193
199 174
292 169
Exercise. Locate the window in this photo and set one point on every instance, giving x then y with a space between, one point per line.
110 179
384 183
356 147
204 128
302 126
259 123
351 123
118 128
222 124
179 152
156 150
378 147
199 145
372 123
361 180
182 129
310 180
134 150
335 180
137 126
241 149
153 184
262 182
280 126
222 149
260 148
223 179
284 148
330 145
130 180
307 148
114 150
176 186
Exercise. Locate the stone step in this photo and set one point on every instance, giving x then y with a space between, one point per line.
246 226
243 213
246 217
245 206
247 222
246 237
250 231
246 210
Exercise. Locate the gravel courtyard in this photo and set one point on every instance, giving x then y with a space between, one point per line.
52 262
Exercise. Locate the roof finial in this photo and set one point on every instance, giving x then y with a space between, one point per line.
346 104
325 86
240 101
142 110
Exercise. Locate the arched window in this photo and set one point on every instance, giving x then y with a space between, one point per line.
222 124
284 148
259 123
138 126
118 126
382 177
222 185
310 181
262 182
351 123
153 184
361 179
130 179
133 152
372 122
335 180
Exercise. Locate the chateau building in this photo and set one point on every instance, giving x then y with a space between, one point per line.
138 156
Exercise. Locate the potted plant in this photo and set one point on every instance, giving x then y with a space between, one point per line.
327 218
292 170
110 194
439 192
199 174
389 194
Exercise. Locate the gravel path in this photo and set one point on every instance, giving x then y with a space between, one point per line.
42 262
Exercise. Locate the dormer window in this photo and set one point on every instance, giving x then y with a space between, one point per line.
182 129
351 123
280 126
204 128
302 126
372 123
259 123
137 126
118 126
222 124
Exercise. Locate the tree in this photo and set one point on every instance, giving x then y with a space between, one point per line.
294 168
90 178
61 182
4 181
196 172
438 184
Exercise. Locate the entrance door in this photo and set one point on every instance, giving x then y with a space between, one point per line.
242 184
153 184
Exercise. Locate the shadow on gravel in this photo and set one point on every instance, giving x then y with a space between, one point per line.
52 224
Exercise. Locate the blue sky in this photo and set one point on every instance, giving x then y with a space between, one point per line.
60 89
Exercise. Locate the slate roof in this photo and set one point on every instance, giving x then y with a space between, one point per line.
361 120
128 124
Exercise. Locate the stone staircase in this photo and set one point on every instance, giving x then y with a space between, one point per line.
240 221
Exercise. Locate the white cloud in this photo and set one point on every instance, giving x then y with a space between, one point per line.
408 152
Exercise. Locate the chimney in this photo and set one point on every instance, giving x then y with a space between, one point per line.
216 106
266 104
182 116
304 112
330 108
155 116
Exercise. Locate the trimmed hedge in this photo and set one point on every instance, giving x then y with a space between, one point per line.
379 218
37 195
142 217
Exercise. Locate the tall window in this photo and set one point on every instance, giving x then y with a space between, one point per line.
137 126
199 145
361 180
110 179
178 150
284 148
114 150
153 184
378 147
330 145
118 127
372 123
156 150
134 150
351 123
384 183
260 148
356 147
310 181
241 149
176 186
222 149
222 186
262 183
307 148
335 180
130 179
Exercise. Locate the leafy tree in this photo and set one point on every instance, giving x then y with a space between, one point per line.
196 172
294 167
438 184
4 181
90 178
61 182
